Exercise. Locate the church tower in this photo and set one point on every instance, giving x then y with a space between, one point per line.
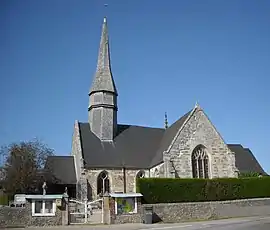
102 109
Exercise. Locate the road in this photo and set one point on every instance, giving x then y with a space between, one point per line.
251 223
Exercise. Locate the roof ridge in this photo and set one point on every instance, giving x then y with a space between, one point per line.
236 144
140 126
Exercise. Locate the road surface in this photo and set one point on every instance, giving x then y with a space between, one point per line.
251 223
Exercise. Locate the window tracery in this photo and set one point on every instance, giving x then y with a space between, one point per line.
200 162
103 183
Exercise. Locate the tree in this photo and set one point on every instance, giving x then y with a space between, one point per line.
24 166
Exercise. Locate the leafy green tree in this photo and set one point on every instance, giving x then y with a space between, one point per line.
23 166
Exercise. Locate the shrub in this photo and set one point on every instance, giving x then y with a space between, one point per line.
4 199
163 190
249 174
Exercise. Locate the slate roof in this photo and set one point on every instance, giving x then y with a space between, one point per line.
133 147
61 169
103 79
142 147
245 160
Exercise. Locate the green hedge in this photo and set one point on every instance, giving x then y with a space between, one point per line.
4 199
163 190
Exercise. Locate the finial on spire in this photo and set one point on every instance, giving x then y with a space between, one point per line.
166 121
196 104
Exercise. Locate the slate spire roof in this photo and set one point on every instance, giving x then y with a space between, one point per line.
103 79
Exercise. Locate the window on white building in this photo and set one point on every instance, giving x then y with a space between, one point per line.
43 207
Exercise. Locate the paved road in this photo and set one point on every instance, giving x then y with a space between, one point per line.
252 223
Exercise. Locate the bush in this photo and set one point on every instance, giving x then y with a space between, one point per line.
4 199
163 190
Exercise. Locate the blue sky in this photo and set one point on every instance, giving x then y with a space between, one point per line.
166 55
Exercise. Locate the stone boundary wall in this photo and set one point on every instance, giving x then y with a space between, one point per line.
22 217
125 218
13 216
179 212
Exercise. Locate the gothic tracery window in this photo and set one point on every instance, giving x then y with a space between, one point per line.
103 183
200 162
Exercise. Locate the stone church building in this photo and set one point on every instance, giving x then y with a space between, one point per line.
108 156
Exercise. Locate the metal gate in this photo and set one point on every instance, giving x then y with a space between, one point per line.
81 212
95 211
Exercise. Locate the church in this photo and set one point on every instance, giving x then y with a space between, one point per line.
108 157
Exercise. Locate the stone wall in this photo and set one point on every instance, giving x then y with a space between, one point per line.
125 218
198 130
180 212
15 216
76 150
157 171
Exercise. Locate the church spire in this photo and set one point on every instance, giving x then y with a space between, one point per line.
103 79
102 109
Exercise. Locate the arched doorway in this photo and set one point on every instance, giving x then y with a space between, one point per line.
103 183
200 162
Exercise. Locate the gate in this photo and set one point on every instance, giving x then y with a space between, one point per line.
81 212
95 211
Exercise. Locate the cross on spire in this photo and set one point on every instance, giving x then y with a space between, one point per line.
105 14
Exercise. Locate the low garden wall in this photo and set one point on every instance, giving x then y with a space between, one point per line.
22 217
11 216
180 212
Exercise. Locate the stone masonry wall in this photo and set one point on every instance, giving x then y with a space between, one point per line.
15 217
11 216
125 218
199 130
179 212
157 171
116 178
76 150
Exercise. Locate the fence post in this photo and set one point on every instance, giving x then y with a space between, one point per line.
106 215
65 211
85 211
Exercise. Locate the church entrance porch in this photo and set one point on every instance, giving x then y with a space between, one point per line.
82 212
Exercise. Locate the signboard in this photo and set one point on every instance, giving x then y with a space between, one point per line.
19 199
125 205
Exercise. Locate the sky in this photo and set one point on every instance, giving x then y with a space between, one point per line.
166 56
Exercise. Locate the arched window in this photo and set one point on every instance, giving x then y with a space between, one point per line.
103 183
140 174
200 162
